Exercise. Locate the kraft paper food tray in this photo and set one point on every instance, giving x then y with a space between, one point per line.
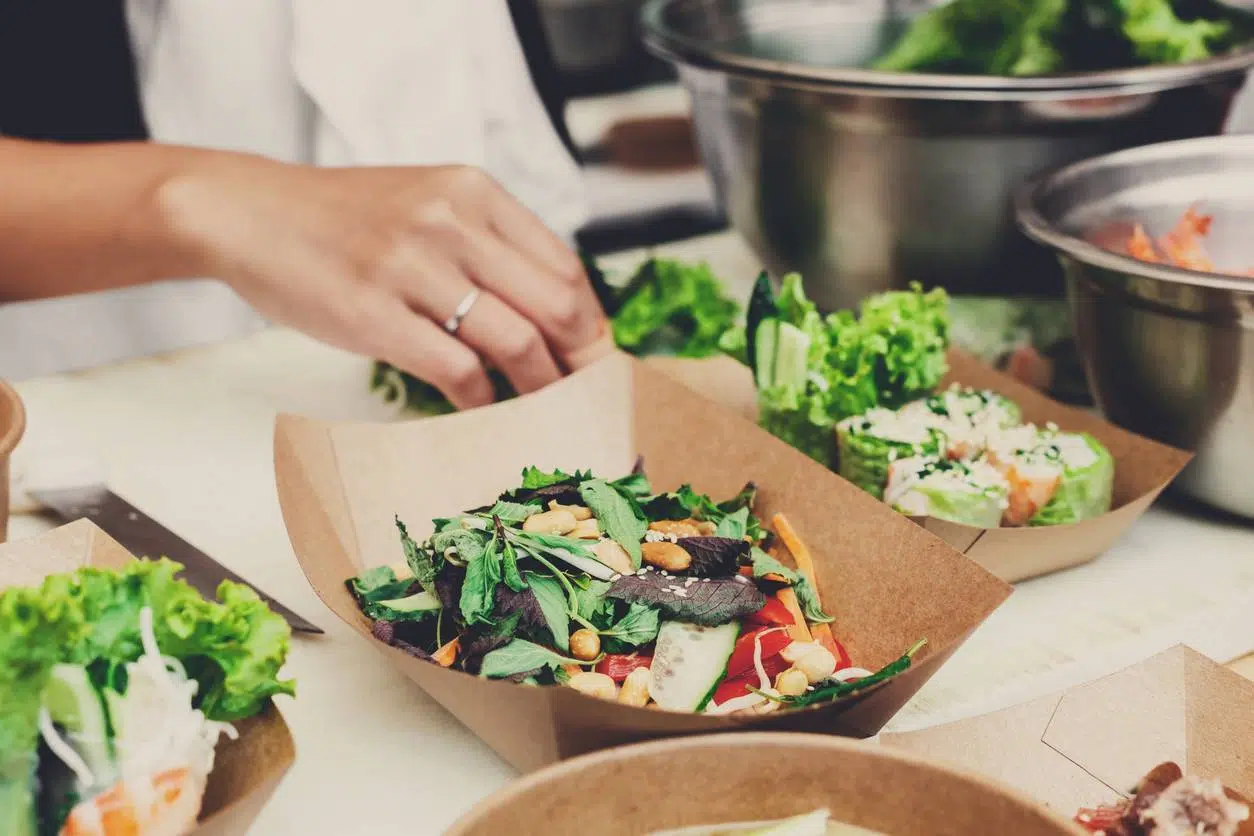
725 779
246 771
887 581
1143 468
1089 745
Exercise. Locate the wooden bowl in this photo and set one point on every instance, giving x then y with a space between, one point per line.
748 777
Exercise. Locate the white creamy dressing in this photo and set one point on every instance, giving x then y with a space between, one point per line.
967 417
907 479
903 426
1037 453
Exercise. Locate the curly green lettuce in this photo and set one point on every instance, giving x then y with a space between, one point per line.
36 625
666 307
1040 37
813 372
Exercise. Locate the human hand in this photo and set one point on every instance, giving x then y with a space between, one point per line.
377 261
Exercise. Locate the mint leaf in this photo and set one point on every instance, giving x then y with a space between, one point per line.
419 560
807 598
479 589
617 517
734 525
378 584
466 544
707 602
633 484
534 478
639 626
512 512
548 591
590 601
521 657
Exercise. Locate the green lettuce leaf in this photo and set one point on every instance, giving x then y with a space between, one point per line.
674 308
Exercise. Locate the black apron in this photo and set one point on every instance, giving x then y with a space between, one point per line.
67 72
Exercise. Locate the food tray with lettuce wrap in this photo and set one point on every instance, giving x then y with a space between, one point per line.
531 599
1021 483
130 704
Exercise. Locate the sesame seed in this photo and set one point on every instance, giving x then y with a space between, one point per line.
664 574
690 582
680 593
615 576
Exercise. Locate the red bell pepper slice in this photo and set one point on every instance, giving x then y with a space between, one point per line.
733 687
774 640
618 665
773 613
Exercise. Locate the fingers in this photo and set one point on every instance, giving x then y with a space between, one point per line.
417 345
568 318
434 286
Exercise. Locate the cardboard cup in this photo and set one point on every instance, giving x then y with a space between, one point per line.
1089 745
887 581
12 426
1143 468
246 771
729 779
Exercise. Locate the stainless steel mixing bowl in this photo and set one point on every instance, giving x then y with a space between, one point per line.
1168 353
863 180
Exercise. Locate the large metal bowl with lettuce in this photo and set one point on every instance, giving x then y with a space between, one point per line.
865 144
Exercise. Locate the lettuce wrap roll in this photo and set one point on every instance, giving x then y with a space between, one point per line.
968 492
868 444
967 417
1055 477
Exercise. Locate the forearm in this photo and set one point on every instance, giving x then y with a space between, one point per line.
81 218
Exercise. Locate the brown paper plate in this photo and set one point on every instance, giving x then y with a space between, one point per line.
12 426
725 779
887 581
1143 468
246 771
1090 744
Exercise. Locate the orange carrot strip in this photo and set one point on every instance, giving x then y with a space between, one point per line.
446 655
805 565
798 629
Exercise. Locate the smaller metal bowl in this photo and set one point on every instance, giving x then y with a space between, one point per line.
1168 353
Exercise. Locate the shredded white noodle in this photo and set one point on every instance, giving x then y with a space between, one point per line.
63 750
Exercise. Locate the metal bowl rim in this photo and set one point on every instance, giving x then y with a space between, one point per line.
676 47
1039 228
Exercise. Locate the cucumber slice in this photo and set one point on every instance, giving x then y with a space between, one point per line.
689 662
411 608
75 705
791 356
766 341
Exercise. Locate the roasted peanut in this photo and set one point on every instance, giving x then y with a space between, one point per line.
666 555
791 683
614 556
817 665
594 685
588 529
550 522
579 512
585 645
706 528
635 690
676 528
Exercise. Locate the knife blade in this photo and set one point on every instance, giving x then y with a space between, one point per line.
145 537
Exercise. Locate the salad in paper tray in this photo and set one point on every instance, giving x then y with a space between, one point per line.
669 600
115 689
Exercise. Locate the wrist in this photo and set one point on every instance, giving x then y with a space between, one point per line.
188 207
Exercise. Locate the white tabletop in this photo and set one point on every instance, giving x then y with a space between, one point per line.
187 437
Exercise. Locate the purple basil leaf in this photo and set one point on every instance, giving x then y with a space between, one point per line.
714 557
525 604
448 586
386 632
705 601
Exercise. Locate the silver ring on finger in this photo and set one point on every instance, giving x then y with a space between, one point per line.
454 323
